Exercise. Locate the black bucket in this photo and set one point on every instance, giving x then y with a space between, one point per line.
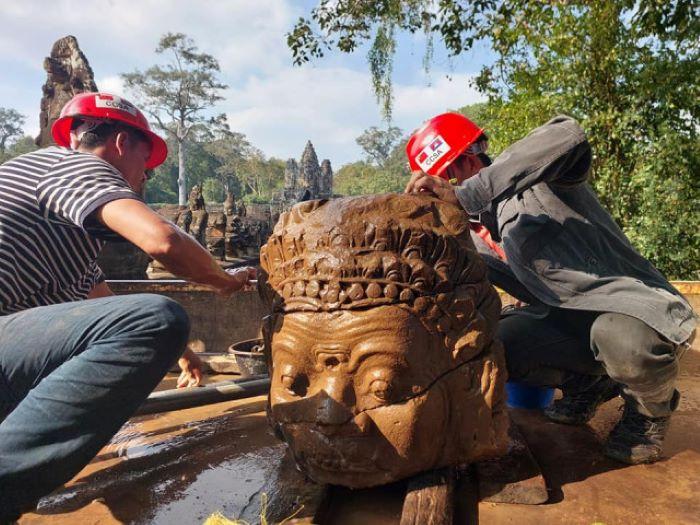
251 363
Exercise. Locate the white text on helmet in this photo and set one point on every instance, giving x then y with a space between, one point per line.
434 151
114 103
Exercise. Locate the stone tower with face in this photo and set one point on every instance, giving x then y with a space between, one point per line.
381 340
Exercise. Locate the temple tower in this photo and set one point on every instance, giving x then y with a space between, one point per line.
309 171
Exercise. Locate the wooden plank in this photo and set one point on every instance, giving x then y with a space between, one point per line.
513 478
467 497
430 498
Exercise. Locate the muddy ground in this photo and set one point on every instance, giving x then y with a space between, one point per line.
180 467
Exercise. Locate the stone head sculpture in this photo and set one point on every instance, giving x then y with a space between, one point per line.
196 199
381 344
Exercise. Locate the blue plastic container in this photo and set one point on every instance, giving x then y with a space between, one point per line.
524 396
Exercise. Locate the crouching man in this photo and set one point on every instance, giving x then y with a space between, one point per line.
601 320
72 371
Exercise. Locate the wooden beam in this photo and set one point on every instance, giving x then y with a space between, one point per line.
430 498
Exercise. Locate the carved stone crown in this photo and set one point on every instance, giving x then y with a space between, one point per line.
360 252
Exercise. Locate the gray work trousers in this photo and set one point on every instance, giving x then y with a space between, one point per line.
554 347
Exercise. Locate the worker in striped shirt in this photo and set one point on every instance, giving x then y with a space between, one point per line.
72 371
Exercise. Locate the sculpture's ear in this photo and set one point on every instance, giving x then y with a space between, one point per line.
268 328
268 323
482 321
472 339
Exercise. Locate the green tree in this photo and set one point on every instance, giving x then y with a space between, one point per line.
199 165
213 190
361 178
231 150
260 176
11 123
18 147
628 71
379 143
178 93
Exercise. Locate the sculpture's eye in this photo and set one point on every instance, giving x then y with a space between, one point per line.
296 385
380 389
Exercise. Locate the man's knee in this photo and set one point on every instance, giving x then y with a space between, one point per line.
160 318
173 319
630 350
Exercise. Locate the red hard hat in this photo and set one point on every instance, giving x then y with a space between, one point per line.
108 107
440 141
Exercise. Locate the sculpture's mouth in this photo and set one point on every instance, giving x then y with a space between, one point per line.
339 454
335 463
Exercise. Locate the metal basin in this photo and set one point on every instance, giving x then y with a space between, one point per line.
249 356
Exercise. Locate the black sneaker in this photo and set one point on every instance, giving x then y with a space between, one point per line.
636 438
579 406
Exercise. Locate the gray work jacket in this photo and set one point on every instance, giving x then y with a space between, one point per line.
562 248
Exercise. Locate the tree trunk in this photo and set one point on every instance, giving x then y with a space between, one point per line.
181 174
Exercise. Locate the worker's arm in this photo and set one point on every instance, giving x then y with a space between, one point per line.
557 152
178 252
101 289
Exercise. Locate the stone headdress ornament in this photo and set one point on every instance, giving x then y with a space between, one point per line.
408 250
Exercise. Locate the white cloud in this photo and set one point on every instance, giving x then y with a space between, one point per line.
112 84
277 105
280 112
417 103
119 34
331 107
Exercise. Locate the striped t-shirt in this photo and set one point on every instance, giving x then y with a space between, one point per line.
49 240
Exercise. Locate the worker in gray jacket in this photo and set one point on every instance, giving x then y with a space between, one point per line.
600 320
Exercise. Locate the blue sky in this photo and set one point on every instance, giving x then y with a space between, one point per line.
277 105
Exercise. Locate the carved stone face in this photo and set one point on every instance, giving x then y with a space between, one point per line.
367 397
381 344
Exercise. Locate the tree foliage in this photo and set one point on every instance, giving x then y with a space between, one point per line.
231 150
261 176
11 123
627 70
13 141
378 144
178 93
363 177
20 146
219 160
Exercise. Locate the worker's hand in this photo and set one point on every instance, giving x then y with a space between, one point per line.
439 187
191 366
241 279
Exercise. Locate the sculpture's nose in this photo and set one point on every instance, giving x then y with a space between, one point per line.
335 402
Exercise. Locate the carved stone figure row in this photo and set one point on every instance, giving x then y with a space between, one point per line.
227 235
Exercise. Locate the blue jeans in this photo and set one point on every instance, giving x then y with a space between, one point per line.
70 375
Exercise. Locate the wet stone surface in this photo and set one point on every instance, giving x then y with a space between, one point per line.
180 467
177 467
